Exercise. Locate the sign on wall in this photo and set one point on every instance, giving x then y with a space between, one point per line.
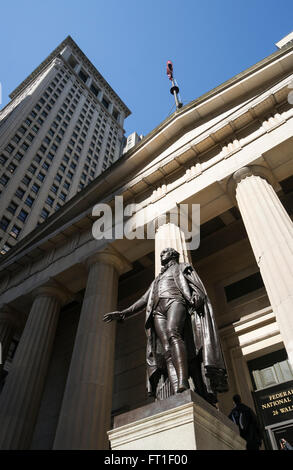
275 404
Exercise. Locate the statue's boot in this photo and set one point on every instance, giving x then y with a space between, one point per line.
171 371
179 359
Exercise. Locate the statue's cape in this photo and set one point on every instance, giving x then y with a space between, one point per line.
201 334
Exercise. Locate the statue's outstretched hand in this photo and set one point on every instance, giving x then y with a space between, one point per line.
108 317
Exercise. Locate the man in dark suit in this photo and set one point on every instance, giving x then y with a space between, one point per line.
246 420
181 333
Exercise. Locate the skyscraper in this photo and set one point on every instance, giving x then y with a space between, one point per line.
62 128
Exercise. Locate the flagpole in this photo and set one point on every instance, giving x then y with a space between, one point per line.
174 90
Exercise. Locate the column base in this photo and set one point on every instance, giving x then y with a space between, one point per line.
181 422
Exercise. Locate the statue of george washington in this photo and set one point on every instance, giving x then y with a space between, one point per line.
182 338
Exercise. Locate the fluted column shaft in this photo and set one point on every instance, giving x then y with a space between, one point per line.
85 415
20 398
170 235
270 232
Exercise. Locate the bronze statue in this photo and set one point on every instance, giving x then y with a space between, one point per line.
182 338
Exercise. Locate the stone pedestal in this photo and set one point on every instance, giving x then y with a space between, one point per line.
181 422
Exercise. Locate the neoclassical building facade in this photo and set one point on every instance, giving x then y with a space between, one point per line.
230 151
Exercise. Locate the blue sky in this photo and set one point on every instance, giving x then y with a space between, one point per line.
130 41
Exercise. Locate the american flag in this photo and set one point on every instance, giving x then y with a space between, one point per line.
170 69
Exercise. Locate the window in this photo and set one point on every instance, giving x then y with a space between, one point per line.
6 247
22 215
15 231
12 207
9 148
19 193
62 196
16 139
94 89
37 158
22 130
50 201
26 180
32 169
30 137
4 180
35 188
3 159
54 188
45 213
115 114
41 176
4 223
83 76
25 146
105 102
29 201
72 62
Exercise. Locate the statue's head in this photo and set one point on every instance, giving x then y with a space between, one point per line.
167 254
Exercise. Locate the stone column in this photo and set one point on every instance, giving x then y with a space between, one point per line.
8 324
85 415
21 395
270 232
170 235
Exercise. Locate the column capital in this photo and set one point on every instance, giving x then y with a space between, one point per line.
242 173
246 172
111 256
53 289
